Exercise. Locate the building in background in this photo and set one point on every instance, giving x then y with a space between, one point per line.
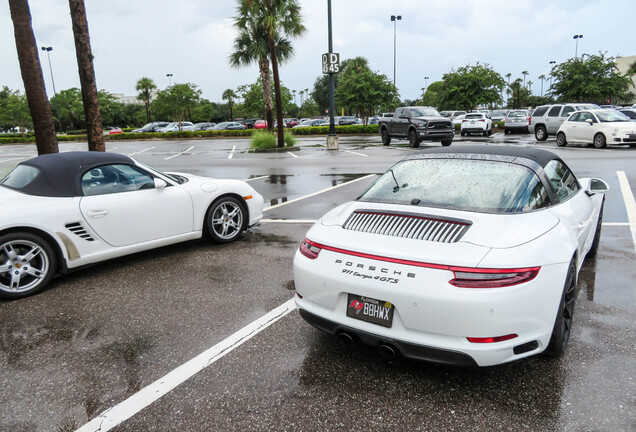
623 64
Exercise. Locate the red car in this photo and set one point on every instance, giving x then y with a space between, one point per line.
260 124
114 131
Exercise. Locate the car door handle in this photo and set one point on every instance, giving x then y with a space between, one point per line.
581 226
96 214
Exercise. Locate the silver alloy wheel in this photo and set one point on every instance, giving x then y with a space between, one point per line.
600 141
227 220
23 266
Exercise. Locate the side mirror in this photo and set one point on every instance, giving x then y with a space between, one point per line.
160 184
589 121
596 186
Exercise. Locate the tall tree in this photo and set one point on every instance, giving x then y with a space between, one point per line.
470 86
94 129
145 87
279 20
45 138
524 73
229 96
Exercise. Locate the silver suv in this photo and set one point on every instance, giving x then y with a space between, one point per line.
547 119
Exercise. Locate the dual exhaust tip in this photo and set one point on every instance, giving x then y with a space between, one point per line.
384 349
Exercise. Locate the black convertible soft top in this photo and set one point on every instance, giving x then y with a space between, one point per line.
540 156
60 173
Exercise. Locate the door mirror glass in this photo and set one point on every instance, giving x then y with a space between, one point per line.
597 186
589 121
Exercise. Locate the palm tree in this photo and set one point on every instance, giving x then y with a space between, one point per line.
530 86
541 77
279 20
524 73
294 93
93 117
229 95
302 92
145 87
45 138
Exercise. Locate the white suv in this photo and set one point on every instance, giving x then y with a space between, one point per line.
547 119
476 122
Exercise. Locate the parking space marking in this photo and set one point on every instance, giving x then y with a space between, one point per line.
257 178
231 152
124 410
112 149
630 203
14 159
179 154
290 153
355 153
317 193
140 151
617 224
289 221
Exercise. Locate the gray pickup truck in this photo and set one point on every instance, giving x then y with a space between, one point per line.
417 124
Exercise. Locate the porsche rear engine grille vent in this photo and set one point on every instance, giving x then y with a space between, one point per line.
407 226
78 229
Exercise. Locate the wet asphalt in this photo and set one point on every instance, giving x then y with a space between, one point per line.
99 335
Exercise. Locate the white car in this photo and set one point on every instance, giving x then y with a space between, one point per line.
466 255
598 127
459 119
476 123
177 127
65 210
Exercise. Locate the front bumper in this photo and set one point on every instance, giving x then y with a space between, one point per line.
435 134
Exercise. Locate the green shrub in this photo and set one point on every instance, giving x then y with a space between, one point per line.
76 132
262 140
324 130
289 139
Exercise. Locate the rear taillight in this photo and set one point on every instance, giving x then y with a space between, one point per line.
464 121
530 119
310 249
505 119
491 339
482 120
491 278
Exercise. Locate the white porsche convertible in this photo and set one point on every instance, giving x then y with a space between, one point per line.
465 256
66 210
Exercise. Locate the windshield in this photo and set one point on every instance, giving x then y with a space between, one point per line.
424 111
463 184
474 116
612 116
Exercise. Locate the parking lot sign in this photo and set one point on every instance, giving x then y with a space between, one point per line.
330 63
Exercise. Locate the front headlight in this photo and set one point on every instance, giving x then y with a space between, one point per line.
422 125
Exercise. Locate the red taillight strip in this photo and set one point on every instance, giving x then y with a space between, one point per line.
423 264
491 339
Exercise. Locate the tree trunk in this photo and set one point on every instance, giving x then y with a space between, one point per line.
39 106
263 65
87 76
147 111
279 99
229 102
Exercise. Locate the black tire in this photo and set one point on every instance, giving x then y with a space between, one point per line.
485 132
414 140
561 140
386 138
490 132
565 314
446 143
225 220
540 133
597 235
463 133
600 141
506 131
30 264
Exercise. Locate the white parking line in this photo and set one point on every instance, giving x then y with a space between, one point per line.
14 159
289 221
256 178
179 154
355 153
231 155
317 193
630 203
112 149
290 153
140 151
618 224
114 416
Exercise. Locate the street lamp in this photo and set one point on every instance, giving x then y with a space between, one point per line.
576 38
169 79
426 84
551 62
57 106
395 19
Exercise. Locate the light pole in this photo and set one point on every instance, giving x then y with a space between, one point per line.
57 106
576 50
332 139
551 62
425 84
169 79
395 19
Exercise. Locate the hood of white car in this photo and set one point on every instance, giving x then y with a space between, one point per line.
454 228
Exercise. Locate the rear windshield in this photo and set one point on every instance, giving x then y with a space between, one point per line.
20 177
474 116
462 184
518 114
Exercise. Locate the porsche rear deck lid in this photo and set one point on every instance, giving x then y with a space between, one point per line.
407 225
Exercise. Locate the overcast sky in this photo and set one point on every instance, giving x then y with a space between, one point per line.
192 40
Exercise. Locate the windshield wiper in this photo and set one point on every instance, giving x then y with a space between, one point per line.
397 186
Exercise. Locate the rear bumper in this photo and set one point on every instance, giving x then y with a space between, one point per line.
407 350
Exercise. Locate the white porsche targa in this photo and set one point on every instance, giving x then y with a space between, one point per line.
466 256
66 210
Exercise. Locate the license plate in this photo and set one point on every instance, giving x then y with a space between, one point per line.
472 122
371 310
